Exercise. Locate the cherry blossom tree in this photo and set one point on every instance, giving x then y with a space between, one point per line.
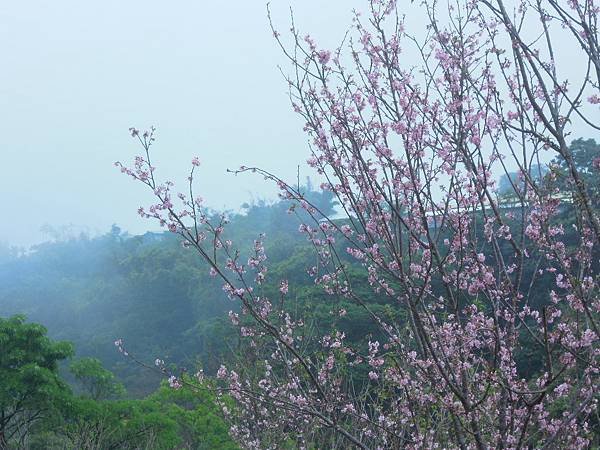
411 150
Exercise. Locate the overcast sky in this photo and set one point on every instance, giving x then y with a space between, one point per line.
75 75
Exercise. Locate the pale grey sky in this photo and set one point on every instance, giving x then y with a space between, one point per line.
75 75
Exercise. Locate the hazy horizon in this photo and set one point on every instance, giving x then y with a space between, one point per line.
77 75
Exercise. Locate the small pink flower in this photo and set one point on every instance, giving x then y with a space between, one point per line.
283 287
561 389
222 372
174 382
594 99
324 56
235 319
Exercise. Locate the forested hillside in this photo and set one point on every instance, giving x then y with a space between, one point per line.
145 290
158 298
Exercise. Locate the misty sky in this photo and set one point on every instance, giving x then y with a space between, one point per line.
75 75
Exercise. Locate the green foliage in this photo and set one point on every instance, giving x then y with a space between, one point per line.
194 408
584 152
161 301
95 380
39 411
184 418
31 389
118 424
146 290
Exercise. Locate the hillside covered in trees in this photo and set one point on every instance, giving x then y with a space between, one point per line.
145 290
159 301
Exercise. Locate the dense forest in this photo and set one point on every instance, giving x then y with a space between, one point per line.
160 302
145 290
148 293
